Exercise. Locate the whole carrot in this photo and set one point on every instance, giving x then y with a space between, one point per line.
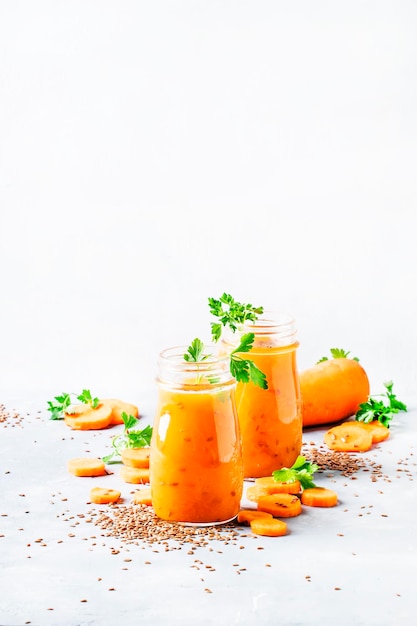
332 390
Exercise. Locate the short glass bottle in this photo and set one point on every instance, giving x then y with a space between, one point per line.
270 419
196 465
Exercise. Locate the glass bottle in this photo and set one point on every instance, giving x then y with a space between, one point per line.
270 419
196 465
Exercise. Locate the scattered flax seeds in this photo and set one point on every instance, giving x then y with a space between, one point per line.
9 418
347 464
139 524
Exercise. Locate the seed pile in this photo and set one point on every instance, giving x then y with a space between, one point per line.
139 524
343 462
9 418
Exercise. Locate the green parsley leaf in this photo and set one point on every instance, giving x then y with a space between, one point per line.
379 409
59 407
87 398
302 470
338 353
245 370
195 352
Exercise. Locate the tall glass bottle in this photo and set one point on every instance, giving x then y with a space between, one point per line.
196 465
270 419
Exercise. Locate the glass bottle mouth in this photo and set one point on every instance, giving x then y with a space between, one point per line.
273 327
212 370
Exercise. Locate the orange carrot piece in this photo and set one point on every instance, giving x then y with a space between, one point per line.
118 407
319 496
84 417
280 504
245 516
254 492
332 391
378 431
348 437
136 457
268 527
270 485
135 475
100 495
85 466
143 496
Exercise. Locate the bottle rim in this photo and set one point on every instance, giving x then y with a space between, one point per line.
174 357
271 322
213 371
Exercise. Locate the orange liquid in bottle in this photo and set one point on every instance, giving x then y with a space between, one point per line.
196 466
270 419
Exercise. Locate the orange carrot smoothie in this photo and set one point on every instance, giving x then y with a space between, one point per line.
196 466
271 419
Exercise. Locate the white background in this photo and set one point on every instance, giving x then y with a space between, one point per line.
154 153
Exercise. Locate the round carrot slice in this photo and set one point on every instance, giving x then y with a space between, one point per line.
378 431
319 496
348 437
136 457
118 407
143 496
245 516
135 475
270 485
84 417
85 466
268 527
280 504
100 495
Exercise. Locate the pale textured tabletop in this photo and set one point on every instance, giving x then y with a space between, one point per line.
355 563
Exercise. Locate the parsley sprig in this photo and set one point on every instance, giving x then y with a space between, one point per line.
302 470
381 410
338 353
129 438
245 370
61 404
232 313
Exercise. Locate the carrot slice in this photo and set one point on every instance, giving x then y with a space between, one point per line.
136 457
245 516
319 496
280 504
348 437
85 466
136 475
378 431
270 485
100 495
254 492
118 407
84 417
268 527
143 496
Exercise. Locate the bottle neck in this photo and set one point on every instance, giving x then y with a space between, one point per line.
209 373
271 329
